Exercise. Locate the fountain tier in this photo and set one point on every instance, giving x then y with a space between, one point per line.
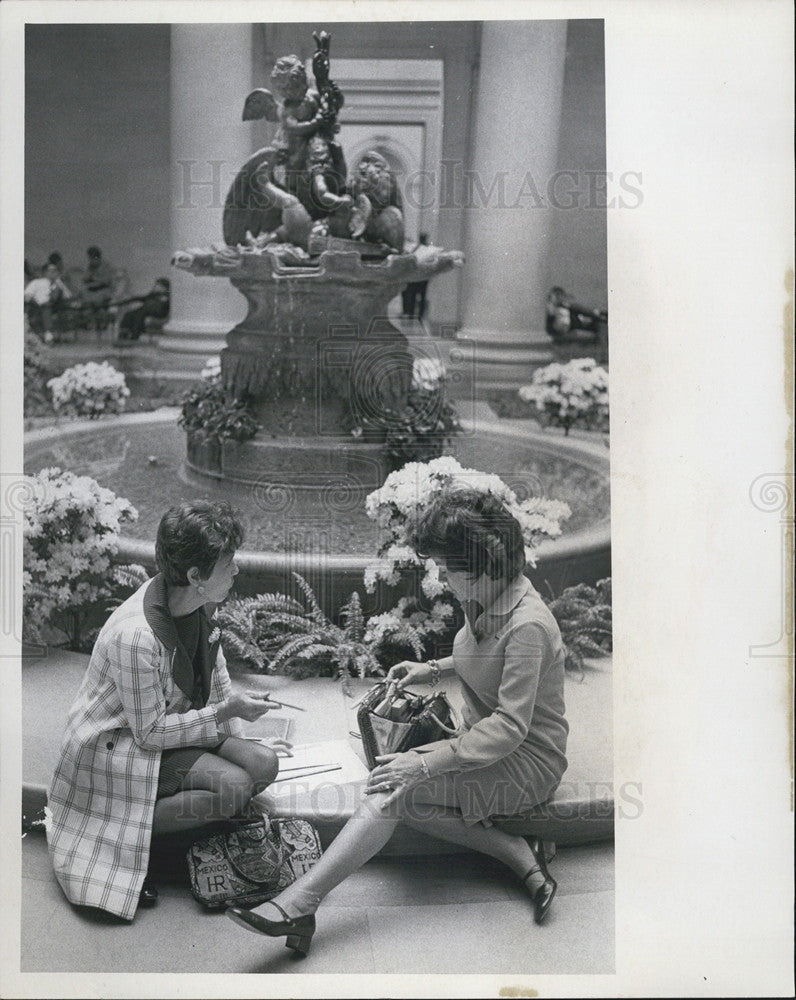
317 358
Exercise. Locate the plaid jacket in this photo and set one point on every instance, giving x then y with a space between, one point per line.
134 702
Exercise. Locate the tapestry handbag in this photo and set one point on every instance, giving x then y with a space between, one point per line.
252 863
392 721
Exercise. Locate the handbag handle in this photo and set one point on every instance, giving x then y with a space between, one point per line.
236 867
441 724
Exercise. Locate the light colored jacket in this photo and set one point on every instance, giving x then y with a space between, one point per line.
134 702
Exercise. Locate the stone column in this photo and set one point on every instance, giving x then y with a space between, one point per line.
506 196
211 74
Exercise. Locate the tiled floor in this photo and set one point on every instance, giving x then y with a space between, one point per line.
468 913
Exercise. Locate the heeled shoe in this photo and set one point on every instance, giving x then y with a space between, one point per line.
298 930
542 896
149 894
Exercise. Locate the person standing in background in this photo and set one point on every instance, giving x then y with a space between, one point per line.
414 295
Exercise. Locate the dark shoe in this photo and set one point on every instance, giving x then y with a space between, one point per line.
298 930
149 894
543 896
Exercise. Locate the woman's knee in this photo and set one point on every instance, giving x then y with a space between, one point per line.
264 767
229 782
260 762
376 806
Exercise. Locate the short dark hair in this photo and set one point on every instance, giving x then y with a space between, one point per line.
473 532
195 533
93 252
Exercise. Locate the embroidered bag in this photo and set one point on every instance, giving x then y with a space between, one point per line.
252 863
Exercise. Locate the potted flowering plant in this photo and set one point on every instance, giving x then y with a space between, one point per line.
428 421
70 535
89 390
573 394
394 505
421 430
211 415
37 369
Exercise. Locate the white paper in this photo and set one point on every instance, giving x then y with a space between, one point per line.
327 754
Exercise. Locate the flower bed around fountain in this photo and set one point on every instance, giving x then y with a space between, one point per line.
324 533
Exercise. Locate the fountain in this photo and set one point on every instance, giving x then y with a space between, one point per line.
318 255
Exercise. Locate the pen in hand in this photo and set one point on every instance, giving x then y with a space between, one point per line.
266 697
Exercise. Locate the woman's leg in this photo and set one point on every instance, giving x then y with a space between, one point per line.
213 789
364 835
426 808
515 852
259 762
431 808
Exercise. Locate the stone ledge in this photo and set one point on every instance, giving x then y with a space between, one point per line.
582 810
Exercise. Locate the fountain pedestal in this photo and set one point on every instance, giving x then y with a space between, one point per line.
323 368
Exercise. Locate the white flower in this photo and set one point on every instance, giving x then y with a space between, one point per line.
394 505
89 389
428 373
573 393
71 529
212 368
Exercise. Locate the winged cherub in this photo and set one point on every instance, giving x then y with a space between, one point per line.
303 168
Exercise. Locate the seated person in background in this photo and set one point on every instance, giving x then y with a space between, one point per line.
57 259
97 287
153 305
44 299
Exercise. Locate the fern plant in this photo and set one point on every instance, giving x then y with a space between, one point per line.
584 616
276 633
253 629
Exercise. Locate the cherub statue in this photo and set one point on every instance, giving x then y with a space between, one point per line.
377 215
303 168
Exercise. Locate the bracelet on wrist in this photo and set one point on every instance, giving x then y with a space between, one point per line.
433 666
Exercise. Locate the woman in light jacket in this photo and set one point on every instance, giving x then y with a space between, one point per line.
152 740
509 659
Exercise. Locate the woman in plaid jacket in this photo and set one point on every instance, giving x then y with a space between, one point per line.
152 742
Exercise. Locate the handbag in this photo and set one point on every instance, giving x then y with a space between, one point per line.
252 863
392 721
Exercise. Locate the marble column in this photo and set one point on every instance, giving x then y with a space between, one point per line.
506 194
211 74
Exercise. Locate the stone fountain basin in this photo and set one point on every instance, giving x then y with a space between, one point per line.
579 556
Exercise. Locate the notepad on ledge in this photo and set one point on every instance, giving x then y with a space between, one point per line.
270 727
315 765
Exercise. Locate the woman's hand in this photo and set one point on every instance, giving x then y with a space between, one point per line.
249 706
409 672
280 747
396 773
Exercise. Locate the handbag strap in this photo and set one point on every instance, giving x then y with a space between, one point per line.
235 866
441 724
418 701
